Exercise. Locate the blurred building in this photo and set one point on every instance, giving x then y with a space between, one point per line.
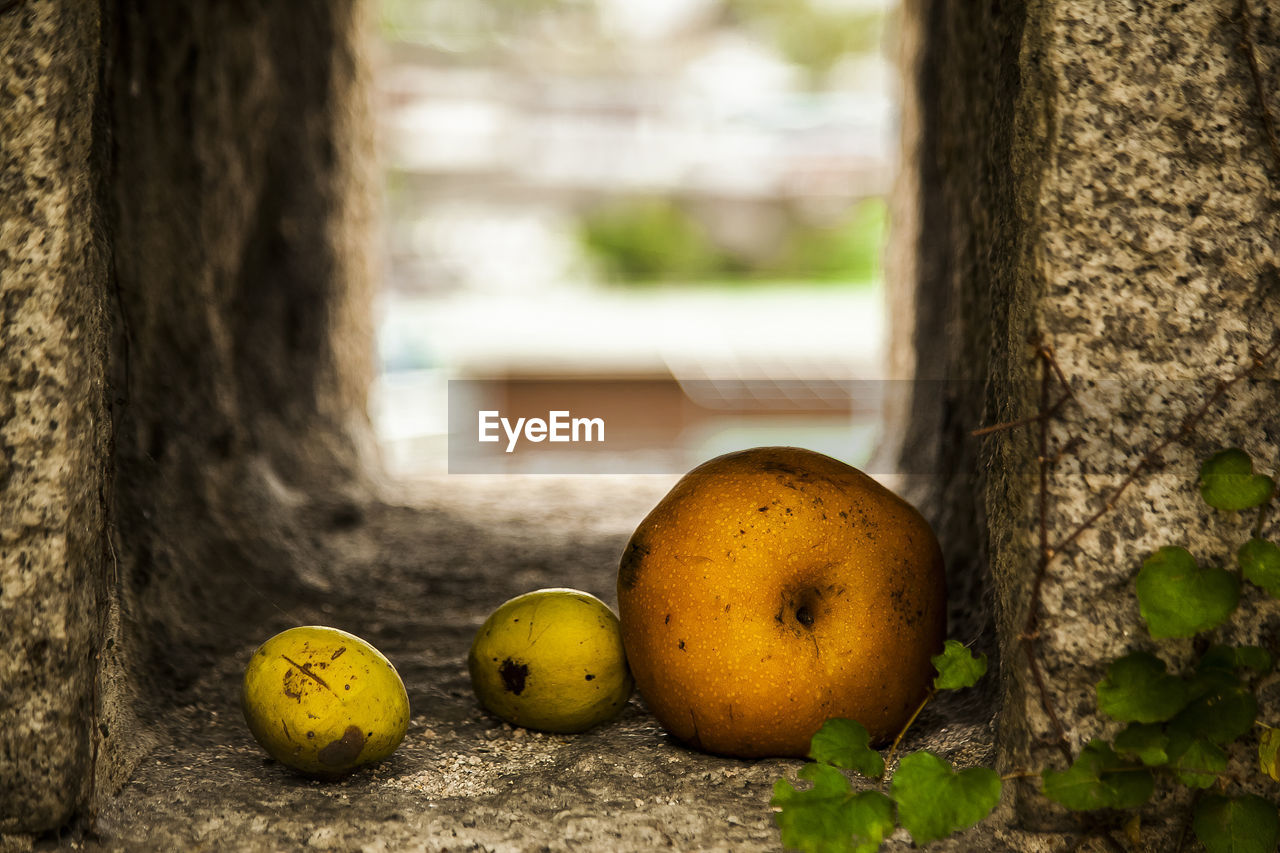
506 126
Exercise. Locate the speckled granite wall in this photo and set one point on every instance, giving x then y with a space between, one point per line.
960 237
53 421
183 258
184 354
1095 173
1158 244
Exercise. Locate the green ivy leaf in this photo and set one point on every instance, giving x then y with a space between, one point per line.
1211 679
1146 741
1236 657
1196 761
1137 689
829 817
1099 779
935 801
1269 753
1247 824
1178 598
1260 564
871 814
845 743
1220 714
1227 482
957 667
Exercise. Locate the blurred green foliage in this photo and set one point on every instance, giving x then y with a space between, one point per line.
812 35
651 240
648 241
848 251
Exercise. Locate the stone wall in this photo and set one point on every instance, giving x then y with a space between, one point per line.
186 349
184 298
54 427
1094 177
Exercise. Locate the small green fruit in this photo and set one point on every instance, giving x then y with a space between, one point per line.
551 660
323 701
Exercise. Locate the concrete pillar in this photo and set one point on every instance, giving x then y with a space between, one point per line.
54 429
184 353
1095 178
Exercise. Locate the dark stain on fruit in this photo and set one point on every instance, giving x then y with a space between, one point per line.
305 669
680 645
513 675
590 677
338 653
804 616
632 560
763 509
667 621
343 751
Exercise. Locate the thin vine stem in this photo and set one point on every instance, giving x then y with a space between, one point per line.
893 748
1031 627
1050 370
1248 46
1185 429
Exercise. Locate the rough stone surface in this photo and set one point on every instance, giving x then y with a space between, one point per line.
417 575
237 142
961 332
1157 249
1100 182
53 423
184 258
186 349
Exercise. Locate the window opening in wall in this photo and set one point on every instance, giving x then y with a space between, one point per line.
668 213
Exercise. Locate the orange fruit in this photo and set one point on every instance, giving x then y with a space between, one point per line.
773 589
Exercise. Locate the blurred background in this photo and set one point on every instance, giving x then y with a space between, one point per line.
670 211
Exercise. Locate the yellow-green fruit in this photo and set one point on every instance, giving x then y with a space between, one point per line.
324 701
551 660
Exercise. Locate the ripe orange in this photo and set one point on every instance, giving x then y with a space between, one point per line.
775 588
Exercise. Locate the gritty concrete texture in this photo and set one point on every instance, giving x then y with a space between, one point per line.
416 575
1095 176
185 325
962 336
239 203
53 424
1157 250
185 259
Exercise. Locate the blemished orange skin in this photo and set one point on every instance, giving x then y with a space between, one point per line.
775 588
